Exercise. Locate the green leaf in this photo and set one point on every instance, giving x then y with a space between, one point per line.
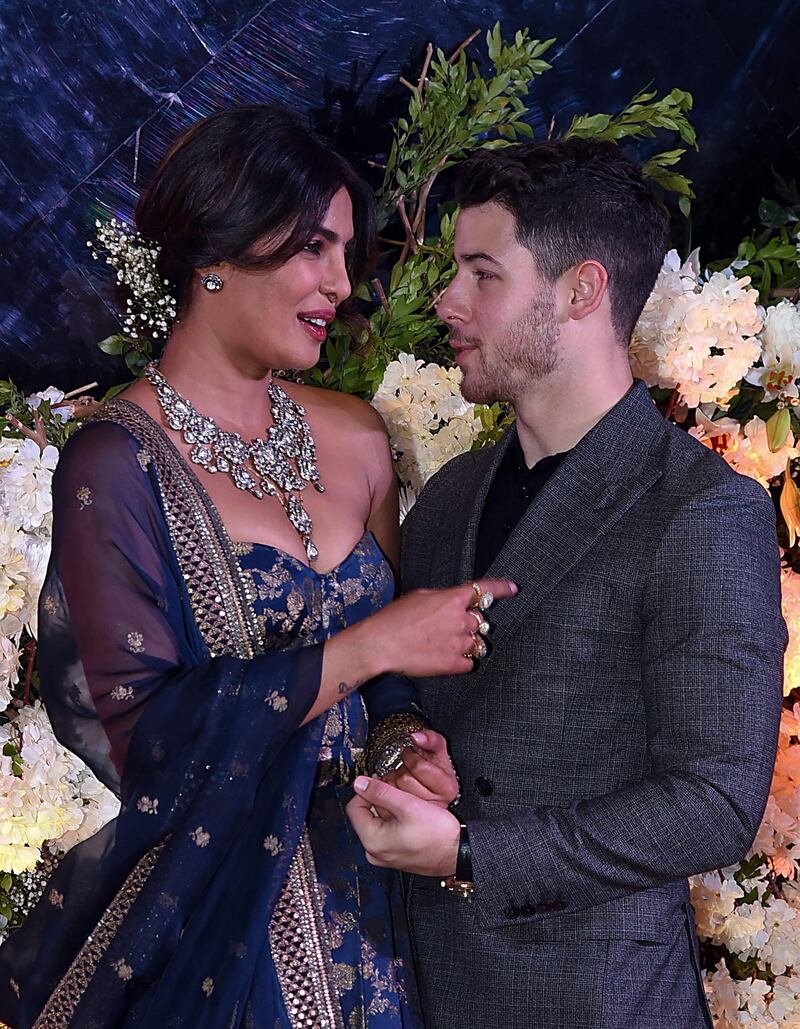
113 345
778 427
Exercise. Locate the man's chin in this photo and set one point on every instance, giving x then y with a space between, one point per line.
477 392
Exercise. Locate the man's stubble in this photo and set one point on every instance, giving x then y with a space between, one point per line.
526 352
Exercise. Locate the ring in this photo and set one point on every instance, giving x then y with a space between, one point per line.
486 601
478 648
483 625
478 594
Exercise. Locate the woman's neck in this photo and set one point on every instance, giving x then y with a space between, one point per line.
204 373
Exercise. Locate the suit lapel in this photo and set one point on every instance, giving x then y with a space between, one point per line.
600 479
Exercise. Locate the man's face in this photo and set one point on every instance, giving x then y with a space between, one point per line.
500 311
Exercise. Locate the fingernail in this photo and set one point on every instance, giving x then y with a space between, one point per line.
514 587
419 737
361 784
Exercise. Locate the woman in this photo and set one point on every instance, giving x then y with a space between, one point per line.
212 608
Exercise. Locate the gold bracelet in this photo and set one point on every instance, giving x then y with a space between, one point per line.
388 740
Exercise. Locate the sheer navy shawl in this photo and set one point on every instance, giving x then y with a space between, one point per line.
149 673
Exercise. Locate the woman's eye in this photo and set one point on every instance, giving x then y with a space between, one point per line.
314 247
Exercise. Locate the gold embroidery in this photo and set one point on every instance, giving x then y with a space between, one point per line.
277 702
123 969
122 693
60 1008
84 497
49 605
208 986
135 643
144 460
147 805
273 845
56 898
344 977
200 837
300 947
14 986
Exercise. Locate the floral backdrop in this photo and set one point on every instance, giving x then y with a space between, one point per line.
718 344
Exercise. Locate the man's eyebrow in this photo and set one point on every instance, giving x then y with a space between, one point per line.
479 255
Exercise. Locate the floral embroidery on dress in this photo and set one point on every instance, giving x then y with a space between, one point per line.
14 986
277 702
56 898
208 986
147 805
84 497
122 693
49 605
273 845
123 969
135 642
200 836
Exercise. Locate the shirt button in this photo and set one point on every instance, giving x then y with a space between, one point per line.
484 787
526 492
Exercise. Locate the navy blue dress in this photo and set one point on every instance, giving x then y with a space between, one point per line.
230 892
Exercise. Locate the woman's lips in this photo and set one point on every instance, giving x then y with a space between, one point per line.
318 333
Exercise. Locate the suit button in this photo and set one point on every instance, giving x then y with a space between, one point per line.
484 787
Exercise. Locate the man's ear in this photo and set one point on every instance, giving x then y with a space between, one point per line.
586 285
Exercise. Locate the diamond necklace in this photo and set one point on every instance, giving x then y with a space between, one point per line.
284 461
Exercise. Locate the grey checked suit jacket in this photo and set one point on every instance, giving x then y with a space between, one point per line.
619 737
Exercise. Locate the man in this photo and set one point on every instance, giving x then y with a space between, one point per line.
620 735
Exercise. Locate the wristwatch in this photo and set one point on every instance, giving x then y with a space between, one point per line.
462 882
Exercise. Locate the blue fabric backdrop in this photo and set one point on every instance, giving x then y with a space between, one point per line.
91 91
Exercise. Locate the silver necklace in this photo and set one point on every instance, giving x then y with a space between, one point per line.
284 462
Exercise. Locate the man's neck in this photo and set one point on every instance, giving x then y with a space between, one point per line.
553 416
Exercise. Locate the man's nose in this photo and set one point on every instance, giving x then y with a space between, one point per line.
452 307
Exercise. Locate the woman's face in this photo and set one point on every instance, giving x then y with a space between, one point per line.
279 318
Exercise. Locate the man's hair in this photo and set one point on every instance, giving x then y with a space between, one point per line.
575 200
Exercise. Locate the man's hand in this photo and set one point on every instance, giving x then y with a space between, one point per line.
411 834
427 770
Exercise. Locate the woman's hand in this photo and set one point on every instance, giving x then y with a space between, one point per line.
427 632
431 632
427 770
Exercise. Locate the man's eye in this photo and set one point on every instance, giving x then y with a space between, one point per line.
483 276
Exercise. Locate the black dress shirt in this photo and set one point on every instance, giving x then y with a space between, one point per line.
512 490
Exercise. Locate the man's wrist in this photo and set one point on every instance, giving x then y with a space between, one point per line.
461 881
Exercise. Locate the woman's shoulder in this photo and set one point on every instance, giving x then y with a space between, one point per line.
103 447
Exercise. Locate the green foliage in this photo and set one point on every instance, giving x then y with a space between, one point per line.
455 110
13 403
641 119
770 259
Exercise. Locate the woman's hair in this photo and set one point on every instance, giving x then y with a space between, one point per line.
574 200
237 177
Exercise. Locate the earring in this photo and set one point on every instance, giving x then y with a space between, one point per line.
212 282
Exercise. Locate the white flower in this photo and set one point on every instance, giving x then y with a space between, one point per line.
13 575
26 487
750 454
428 419
697 336
9 669
61 411
780 356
